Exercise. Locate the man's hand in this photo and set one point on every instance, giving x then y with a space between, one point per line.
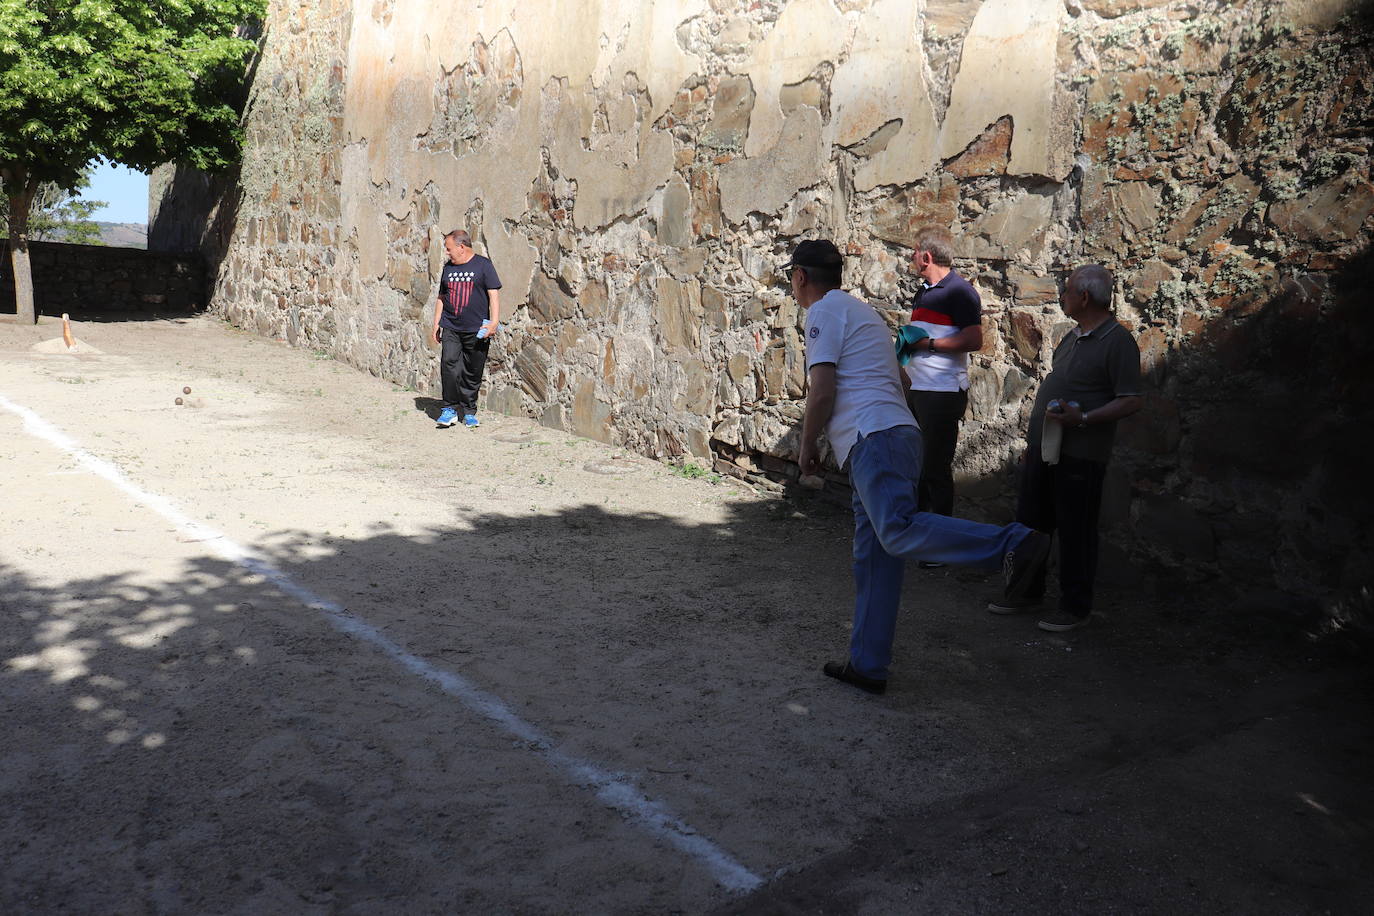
490 328
1069 414
434 335
810 459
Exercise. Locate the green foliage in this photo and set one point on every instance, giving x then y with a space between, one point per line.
59 214
134 82
693 471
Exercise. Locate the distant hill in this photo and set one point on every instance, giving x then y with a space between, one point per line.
116 235
124 235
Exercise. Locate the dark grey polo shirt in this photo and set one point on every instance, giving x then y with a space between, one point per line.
1093 369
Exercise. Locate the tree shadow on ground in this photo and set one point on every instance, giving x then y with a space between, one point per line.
210 741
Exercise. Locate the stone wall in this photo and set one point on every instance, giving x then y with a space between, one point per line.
92 280
638 171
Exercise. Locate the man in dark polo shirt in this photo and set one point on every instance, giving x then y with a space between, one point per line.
949 309
1095 381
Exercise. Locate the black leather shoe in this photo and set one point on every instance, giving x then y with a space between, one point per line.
843 671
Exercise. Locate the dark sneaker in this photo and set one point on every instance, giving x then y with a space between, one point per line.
1021 567
1062 622
1003 606
843 671
931 564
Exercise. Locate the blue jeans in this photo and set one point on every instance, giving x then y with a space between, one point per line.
885 471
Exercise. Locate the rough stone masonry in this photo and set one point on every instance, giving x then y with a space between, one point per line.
638 169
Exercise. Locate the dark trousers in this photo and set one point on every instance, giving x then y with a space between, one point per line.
939 413
1067 498
461 364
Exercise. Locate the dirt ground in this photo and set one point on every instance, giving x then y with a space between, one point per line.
287 648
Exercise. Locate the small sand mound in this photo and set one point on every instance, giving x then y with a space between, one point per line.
58 345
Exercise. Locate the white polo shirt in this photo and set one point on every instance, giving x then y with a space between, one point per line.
846 331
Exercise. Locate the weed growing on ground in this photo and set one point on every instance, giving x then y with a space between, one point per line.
690 470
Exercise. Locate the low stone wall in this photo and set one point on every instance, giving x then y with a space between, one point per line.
97 279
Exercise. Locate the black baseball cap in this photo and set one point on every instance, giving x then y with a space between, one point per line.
818 253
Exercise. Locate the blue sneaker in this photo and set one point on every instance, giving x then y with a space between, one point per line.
447 417
470 421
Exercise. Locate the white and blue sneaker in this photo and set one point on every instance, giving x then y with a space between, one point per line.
447 417
470 421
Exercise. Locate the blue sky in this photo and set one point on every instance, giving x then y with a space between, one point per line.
125 190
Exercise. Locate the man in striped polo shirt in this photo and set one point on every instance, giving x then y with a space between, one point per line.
949 309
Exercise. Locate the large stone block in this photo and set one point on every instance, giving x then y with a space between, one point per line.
1031 290
707 219
505 399
1008 67
1139 111
678 312
739 366
880 91
1333 212
532 365
1013 225
595 301
731 106
589 416
548 302
806 33
1142 285
765 184
698 389
1025 334
987 155
674 214
899 217
1269 95
1214 213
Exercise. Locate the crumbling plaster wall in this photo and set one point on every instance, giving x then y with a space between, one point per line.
638 171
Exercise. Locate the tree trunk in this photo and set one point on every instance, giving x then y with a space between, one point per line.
20 188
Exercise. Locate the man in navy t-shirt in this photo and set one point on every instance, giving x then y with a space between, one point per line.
950 310
466 316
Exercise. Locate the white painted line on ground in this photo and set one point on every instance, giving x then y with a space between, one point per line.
615 791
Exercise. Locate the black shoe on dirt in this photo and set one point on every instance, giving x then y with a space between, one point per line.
1062 622
843 671
1021 567
1005 607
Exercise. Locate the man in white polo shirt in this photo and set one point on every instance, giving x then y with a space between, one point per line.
856 396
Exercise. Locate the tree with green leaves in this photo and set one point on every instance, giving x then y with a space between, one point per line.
60 214
136 83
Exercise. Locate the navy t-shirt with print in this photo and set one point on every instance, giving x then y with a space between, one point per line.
463 291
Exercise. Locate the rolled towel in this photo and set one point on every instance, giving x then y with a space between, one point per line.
908 336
